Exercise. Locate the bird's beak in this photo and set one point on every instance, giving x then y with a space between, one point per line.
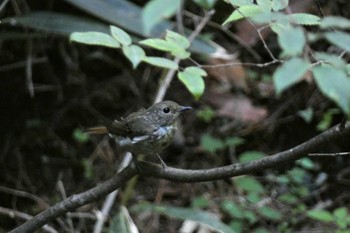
185 108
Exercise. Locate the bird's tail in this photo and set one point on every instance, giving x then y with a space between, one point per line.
96 130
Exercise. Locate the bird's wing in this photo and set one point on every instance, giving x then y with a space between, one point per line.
140 123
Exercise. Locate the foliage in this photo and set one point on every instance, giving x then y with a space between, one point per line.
329 71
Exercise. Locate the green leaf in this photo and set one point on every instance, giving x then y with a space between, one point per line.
62 24
289 74
306 114
234 141
278 5
292 41
192 78
340 39
232 209
304 19
178 39
327 119
159 44
94 38
265 4
122 222
200 202
80 136
241 2
120 35
206 114
249 184
306 163
243 12
331 59
341 213
211 144
250 156
156 11
335 22
206 4
161 62
208 219
335 84
270 213
135 54
320 215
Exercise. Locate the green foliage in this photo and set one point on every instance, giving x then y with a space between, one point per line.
250 156
192 78
292 41
80 136
121 222
155 11
289 73
206 114
202 217
95 38
307 114
161 62
212 144
327 119
335 84
206 4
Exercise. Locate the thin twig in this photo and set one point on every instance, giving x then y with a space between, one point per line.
3 4
29 65
170 75
17 214
20 193
329 154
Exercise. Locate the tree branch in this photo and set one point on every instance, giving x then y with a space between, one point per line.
175 174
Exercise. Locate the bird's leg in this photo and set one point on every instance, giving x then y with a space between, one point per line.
137 164
162 162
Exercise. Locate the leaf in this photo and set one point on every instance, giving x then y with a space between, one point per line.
192 78
161 62
234 210
62 24
120 35
335 22
206 4
94 38
122 222
199 216
289 74
80 136
241 2
335 84
249 184
306 114
159 44
320 215
200 202
250 156
135 54
211 144
306 163
178 39
156 11
340 39
292 41
278 5
331 59
304 19
243 12
270 213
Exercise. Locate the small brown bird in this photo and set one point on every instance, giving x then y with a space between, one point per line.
147 131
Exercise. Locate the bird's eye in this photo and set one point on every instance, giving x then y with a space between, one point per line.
166 110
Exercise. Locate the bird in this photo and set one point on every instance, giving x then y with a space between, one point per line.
147 131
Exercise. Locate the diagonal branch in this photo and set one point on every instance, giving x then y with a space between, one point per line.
175 174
